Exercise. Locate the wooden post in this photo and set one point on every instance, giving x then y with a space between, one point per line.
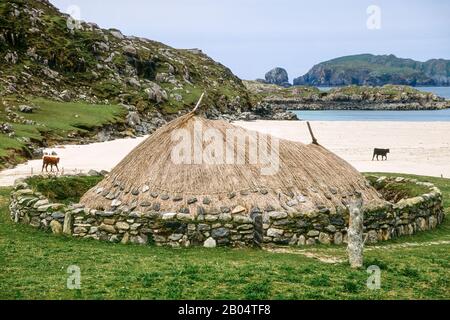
199 102
355 246
314 140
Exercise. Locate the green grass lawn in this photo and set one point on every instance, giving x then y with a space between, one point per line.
33 265
55 121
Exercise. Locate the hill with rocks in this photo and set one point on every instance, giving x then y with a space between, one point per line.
278 76
388 97
377 70
42 56
63 80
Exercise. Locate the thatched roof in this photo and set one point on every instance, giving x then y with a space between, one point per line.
309 178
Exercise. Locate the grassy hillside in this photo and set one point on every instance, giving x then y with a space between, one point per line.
415 267
78 74
44 55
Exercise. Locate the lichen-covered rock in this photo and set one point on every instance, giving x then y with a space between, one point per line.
122 225
107 228
276 233
324 238
56 227
210 243
278 76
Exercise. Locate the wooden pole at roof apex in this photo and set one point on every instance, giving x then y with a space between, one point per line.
314 140
199 102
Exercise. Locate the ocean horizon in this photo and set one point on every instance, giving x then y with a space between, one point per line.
371 115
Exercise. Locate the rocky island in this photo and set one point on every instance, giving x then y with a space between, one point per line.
388 97
377 70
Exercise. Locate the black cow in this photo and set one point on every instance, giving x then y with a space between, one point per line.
380 152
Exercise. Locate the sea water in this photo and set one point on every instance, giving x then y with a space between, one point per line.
382 115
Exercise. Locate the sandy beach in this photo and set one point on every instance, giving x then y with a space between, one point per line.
421 148
77 159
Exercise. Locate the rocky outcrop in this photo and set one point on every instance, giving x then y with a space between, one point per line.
44 53
278 76
99 66
388 97
367 69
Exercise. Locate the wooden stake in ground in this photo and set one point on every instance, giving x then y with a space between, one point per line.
199 102
314 140
355 233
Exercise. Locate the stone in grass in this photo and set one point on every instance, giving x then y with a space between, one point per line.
301 240
56 227
338 238
26 109
324 238
126 238
372 237
210 243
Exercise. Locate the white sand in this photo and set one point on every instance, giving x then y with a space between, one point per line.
416 147
77 159
421 148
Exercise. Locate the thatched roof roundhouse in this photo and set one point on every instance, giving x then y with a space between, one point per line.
306 178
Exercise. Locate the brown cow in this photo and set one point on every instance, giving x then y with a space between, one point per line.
50 160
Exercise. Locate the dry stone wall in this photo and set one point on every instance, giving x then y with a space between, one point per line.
260 227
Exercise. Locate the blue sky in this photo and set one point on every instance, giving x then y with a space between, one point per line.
253 36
